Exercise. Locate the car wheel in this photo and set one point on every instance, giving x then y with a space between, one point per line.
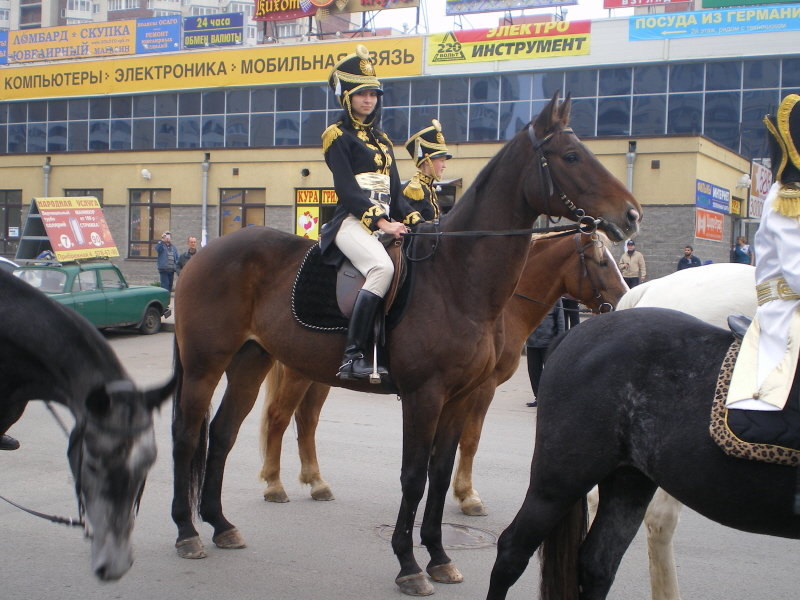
152 321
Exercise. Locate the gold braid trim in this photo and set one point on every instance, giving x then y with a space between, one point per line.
329 135
371 217
788 201
412 218
414 188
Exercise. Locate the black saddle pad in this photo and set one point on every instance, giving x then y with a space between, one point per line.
314 294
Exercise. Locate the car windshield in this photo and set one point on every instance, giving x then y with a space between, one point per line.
46 280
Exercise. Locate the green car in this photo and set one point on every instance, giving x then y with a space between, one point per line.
99 292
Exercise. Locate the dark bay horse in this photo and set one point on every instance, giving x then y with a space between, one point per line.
625 403
233 315
579 265
49 352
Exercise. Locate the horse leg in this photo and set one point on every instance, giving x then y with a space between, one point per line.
468 498
419 425
624 496
448 432
284 393
307 418
189 447
245 373
661 519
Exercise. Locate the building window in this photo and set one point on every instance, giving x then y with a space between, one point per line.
150 213
241 208
10 220
82 193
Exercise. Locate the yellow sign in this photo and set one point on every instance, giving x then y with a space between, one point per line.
510 42
90 40
329 197
302 196
307 222
395 57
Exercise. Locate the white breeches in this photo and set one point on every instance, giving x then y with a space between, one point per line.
367 255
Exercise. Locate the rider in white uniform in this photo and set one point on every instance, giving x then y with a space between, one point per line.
767 362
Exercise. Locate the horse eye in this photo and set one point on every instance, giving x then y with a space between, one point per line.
571 157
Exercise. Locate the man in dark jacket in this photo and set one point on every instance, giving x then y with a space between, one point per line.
538 342
167 262
688 259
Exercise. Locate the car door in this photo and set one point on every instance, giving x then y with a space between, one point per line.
88 298
121 308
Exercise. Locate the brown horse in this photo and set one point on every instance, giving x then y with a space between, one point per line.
579 265
233 315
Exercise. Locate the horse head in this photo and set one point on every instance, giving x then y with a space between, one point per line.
111 450
597 281
571 181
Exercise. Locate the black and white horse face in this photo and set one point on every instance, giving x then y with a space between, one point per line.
111 452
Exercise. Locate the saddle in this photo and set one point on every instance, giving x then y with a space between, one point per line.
766 436
323 296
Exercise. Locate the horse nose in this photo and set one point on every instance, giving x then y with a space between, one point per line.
634 216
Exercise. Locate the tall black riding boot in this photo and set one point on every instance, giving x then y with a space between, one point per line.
356 364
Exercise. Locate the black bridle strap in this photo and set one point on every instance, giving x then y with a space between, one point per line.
585 225
70 522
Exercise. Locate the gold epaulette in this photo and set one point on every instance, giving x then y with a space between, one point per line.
414 188
330 134
788 201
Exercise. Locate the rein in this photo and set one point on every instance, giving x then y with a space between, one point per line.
68 521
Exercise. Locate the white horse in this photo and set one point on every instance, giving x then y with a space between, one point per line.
710 293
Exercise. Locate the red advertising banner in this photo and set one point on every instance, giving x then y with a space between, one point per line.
708 225
76 228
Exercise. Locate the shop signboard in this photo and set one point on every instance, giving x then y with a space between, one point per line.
209 31
76 228
760 182
709 225
712 197
464 7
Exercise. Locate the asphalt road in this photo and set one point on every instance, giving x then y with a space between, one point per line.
309 550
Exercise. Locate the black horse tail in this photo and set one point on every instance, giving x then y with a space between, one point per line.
558 555
197 468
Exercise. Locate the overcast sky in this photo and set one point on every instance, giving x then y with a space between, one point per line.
438 21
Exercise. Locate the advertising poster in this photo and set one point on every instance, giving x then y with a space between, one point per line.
510 42
464 7
708 225
755 19
114 38
210 31
76 228
307 223
760 182
712 197
158 34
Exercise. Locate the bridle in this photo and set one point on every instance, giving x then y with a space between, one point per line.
583 222
594 242
584 272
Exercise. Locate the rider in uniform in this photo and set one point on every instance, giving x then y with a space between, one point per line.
766 365
429 151
361 159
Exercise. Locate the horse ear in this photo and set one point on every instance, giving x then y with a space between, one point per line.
564 109
155 397
98 401
545 120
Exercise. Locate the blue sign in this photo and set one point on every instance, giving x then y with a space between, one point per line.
213 30
712 197
4 47
701 23
158 34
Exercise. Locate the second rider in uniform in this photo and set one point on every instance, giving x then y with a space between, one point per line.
429 151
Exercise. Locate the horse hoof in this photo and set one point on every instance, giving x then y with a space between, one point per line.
414 585
229 540
473 507
446 573
279 495
190 548
322 493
